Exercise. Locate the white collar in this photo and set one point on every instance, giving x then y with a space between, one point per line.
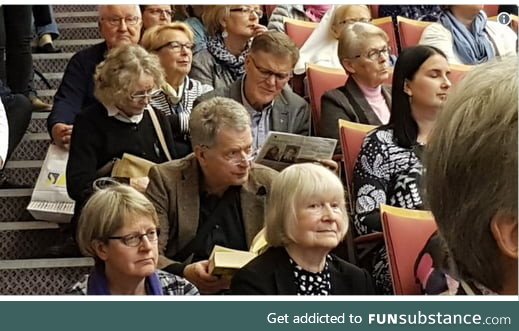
115 112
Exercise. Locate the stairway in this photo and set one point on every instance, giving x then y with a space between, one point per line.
22 239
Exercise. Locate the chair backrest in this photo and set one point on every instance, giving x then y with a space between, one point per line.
351 136
386 24
269 9
298 30
491 10
410 31
374 10
405 234
458 71
320 80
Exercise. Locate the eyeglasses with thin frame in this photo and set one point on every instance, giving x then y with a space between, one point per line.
375 54
248 11
266 74
160 11
176 47
238 157
142 95
116 21
134 240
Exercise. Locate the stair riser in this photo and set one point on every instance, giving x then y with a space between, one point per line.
31 150
51 65
73 8
22 176
27 244
45 281
37 125
40 85
76 19
14 209
80 33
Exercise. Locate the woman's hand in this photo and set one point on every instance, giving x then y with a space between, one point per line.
139 183
258 29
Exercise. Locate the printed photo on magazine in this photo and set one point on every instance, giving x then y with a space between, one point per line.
283 149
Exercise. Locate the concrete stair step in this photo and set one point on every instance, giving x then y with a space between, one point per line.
75 45
32 147
13 205
73 8
23 172
85 30
38 122
41 276
76 17
49 63
26 240
54 79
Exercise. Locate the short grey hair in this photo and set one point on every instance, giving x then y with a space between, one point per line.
109 210
123 65
354 36
471 164
304 181
208 117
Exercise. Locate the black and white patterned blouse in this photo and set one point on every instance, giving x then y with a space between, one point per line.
312 283
385 173
192 90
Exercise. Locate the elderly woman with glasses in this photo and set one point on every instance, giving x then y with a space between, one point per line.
389 166
364 54
119 228
173 43
121 122
153 15
231 29
302 228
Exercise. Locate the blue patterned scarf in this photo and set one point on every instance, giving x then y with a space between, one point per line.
472 47
235 64
98 284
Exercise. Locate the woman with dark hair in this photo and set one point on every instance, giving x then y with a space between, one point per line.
466 36
389 166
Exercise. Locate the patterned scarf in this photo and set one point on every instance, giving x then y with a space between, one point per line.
316 12
236 65
472 46
98 284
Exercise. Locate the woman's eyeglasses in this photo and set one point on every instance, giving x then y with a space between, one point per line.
134 240
354 20
375 54
176 47
142 95
248 11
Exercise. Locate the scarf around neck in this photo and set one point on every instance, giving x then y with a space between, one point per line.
472 46
235 64
98 284
316 12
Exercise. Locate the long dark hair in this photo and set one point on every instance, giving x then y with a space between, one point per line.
401 121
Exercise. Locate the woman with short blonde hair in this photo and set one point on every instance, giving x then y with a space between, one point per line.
231 29
302 228
119 228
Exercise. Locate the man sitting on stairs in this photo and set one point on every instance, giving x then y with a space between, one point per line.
118 25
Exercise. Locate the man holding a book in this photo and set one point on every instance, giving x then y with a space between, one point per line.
214 196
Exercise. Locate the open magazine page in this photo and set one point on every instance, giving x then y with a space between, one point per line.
283 149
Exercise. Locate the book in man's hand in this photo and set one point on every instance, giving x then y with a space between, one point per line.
225 262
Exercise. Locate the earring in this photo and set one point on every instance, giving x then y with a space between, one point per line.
224 34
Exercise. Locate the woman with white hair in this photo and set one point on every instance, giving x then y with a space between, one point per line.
302 228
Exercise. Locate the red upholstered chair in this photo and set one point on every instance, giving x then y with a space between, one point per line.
405 234
491 10
458 71
374 10
269 9
298 30
410 31
386 24
320 80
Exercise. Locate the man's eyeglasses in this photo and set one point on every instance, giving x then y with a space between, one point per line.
159 11
176 47
266 74
248 11
239 157
354 20
116 21
134 240
375 54
142 95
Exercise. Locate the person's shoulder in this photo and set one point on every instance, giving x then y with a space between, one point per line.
176 166
264 264
203 57
291 98
94 112
93 53
261 173
357 275
175 285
